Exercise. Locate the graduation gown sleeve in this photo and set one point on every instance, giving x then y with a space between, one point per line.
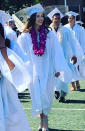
59 62
19 76
23 41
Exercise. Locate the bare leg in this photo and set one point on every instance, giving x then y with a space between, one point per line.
41 118
77 85
73 86
45 123
41 122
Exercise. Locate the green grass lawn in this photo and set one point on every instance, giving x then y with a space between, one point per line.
68 116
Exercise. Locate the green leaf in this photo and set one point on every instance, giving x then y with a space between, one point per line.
36 1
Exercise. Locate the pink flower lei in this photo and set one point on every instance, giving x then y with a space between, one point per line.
39 48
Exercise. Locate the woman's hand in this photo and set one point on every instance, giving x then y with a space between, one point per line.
8 61
4 53
57 74
10 64
74 59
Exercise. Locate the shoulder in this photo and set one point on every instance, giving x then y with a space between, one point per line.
52 37
51 34
65 29
67 25
24 36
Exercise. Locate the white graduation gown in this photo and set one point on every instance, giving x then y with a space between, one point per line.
71 47
42 70
59 84
16 48
79 34
12 116
19 76
10 33
58 33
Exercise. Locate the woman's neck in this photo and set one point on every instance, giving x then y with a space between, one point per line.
37 28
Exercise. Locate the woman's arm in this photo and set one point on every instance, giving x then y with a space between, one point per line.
4 53
2 42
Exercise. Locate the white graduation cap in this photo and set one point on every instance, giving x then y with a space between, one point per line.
34 9
71 13
79 22
50 15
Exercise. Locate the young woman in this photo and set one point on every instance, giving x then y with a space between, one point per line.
46 61
79 34
12 116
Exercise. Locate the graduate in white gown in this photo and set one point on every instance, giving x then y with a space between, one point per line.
79 33
12 116
55 16
10 33
68 44
46 60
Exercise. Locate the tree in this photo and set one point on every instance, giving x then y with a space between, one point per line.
13 6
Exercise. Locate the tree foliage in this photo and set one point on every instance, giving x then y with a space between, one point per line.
13 6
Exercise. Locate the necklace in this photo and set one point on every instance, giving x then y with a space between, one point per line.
39 47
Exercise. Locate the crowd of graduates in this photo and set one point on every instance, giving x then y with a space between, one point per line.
43 59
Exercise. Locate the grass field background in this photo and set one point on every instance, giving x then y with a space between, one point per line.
68 116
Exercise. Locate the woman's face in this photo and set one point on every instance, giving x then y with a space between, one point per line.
39 19
71 20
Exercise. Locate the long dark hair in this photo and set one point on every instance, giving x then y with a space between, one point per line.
7 41
2 30
31 23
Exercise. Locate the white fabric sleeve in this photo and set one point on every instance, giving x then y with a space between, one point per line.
76 48
12 36
59 61
23 42
19 76
16 48
82 39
